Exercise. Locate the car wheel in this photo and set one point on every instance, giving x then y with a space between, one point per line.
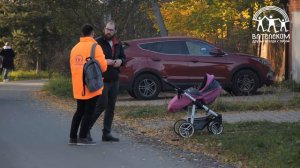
131 93
245 82
146 87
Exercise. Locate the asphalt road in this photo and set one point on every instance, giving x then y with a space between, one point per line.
34 135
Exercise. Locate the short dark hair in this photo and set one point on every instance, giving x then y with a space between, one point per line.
87 30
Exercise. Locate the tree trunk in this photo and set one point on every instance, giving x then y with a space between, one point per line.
159 18
38 65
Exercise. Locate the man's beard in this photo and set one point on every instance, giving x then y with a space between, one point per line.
108 37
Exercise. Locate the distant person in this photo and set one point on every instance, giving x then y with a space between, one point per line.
8 55
114 52
86 103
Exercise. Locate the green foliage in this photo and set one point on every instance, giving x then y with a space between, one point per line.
42 32
257 144
223 22
28 30
27 75
60 86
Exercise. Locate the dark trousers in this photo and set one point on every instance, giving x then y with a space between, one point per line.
6 71
106 102
83 116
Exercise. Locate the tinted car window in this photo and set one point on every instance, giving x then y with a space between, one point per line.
151 46
174 47
198 48
167 47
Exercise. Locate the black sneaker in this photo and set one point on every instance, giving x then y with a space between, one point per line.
109 138
85 141
72 141
89 137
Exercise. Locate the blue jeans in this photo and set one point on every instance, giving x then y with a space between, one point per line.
6 71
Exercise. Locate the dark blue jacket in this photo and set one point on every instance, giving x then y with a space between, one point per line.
8 57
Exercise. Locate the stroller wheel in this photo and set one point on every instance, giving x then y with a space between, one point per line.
186 130
215 127
177 125
208 128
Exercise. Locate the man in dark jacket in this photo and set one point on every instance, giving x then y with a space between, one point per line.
8 60
113 51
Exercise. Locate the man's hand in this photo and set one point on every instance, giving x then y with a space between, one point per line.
117 63
110 62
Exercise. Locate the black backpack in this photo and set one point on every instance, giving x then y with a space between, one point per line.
92 74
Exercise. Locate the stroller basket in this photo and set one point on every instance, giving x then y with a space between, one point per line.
206 94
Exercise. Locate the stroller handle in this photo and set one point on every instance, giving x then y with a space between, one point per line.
171 84
179 90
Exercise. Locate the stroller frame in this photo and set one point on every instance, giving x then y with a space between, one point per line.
186 128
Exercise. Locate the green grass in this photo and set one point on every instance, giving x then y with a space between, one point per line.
257 144
142 111
275 104
26 75
60 86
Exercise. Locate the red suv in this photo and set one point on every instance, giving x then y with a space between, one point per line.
184 61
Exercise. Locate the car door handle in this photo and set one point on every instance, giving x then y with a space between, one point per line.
195 61
155 59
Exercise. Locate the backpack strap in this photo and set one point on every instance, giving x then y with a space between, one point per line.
93 50
92 56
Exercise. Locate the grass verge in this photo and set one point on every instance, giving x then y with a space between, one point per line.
257 144
218 106
26 75
290 84
246 144
142 111
60 86
259 105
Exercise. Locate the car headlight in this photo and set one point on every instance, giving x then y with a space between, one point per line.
263 61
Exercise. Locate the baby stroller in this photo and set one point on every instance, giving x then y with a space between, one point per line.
193 98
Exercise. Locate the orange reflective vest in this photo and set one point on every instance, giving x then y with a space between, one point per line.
78 56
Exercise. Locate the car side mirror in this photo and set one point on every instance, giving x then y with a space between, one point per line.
216 52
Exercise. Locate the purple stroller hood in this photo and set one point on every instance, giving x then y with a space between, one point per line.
206 94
